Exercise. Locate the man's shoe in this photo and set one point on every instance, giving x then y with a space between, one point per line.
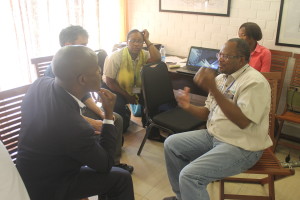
170 198
158 138
155 135
128 168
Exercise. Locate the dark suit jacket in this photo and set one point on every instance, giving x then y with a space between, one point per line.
55 142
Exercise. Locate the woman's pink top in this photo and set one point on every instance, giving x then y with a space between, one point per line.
260 59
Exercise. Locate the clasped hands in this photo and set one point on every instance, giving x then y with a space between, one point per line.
108 102
205 79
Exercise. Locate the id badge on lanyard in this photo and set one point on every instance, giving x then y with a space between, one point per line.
136 90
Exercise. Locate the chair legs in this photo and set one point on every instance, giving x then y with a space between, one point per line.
222 192
282 135
148 130
271 187
277 137
268 180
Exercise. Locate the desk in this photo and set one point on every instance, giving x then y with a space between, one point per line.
181 80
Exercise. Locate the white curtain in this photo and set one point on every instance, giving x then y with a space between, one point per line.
30 28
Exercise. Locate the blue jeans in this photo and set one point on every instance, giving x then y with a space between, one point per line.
196 158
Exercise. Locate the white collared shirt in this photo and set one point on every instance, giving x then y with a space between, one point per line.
251 92
82 105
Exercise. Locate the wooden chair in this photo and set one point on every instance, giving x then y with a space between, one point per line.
41 64
10 118
279 61
272 76
289 115
268 164
276 76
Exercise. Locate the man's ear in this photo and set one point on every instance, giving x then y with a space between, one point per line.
243 60
81 79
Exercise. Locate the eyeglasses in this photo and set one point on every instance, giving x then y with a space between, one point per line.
226 57
136 41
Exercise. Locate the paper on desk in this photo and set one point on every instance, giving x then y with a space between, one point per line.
182 64
175 59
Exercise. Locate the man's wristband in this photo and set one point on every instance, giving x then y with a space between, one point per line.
108 121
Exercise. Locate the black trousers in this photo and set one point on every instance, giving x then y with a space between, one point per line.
119 126
116 185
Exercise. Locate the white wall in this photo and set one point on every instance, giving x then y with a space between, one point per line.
180 31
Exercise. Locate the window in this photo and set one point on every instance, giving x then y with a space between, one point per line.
30 28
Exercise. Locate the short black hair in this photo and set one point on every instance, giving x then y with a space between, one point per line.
70 34
252 30
134 31
242 47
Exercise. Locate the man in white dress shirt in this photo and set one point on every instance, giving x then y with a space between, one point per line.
11 184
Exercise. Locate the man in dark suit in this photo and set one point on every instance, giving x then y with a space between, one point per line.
59 157
76 35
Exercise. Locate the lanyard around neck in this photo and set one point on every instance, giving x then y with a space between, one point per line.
227 89
134 66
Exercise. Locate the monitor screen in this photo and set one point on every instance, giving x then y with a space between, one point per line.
203 57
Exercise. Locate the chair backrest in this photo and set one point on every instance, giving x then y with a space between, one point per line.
41 64
273 76
279 61
273 108
157 88
10 118
101 53
295 80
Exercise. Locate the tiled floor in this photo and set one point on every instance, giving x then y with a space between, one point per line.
151 181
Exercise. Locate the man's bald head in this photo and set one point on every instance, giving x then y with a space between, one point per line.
77 66
71 61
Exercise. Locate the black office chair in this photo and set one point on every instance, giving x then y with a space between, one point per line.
160 103
101 53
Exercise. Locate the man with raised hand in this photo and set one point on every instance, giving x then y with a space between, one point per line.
237 113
